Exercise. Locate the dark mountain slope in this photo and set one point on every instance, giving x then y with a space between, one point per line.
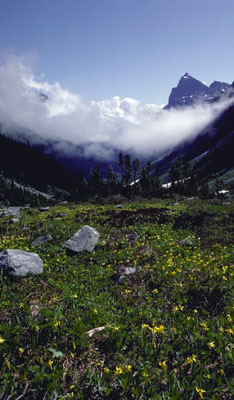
211 152
30 166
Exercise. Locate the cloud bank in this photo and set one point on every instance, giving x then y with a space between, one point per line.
30 103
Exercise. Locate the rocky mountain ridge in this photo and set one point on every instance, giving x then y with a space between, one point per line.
190 91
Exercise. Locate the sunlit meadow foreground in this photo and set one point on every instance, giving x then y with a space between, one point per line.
165 330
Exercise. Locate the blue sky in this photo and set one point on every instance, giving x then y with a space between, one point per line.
126 48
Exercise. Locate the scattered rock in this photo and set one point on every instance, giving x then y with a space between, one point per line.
20 263
61 215
14 220
41 240
43 209
94 330
118 206
35 309
63 203
125 271
84 239
147 250
12 211
186 242
133 237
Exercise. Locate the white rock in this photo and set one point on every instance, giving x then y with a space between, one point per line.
20 263
93 331
84 239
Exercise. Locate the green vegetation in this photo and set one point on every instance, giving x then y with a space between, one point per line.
166 331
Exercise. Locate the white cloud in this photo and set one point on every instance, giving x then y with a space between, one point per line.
124 124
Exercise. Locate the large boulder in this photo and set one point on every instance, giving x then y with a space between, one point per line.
84 239
20 263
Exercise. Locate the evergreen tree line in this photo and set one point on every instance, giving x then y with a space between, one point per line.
11 194
135 181
30 166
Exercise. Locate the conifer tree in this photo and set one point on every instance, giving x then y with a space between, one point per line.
96 184
111 181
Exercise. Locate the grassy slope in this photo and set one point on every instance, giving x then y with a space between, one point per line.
168 328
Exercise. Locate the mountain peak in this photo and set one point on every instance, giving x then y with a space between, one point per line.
190 90
186 75
184 92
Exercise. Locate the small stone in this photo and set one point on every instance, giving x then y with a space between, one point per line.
43 209
14 220
125 271
41 240
132 237
91 332
186 242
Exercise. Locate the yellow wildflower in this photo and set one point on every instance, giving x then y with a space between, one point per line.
21 350
211 345
200 392
221 371
229 318
145 374
163 364
192 359
57 323
1 339
106 370
118 370
95 311
128 368
230 331
50 363
115 328
178 308
144 326
204 326
157 329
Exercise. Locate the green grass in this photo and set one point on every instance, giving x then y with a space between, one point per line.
168 328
